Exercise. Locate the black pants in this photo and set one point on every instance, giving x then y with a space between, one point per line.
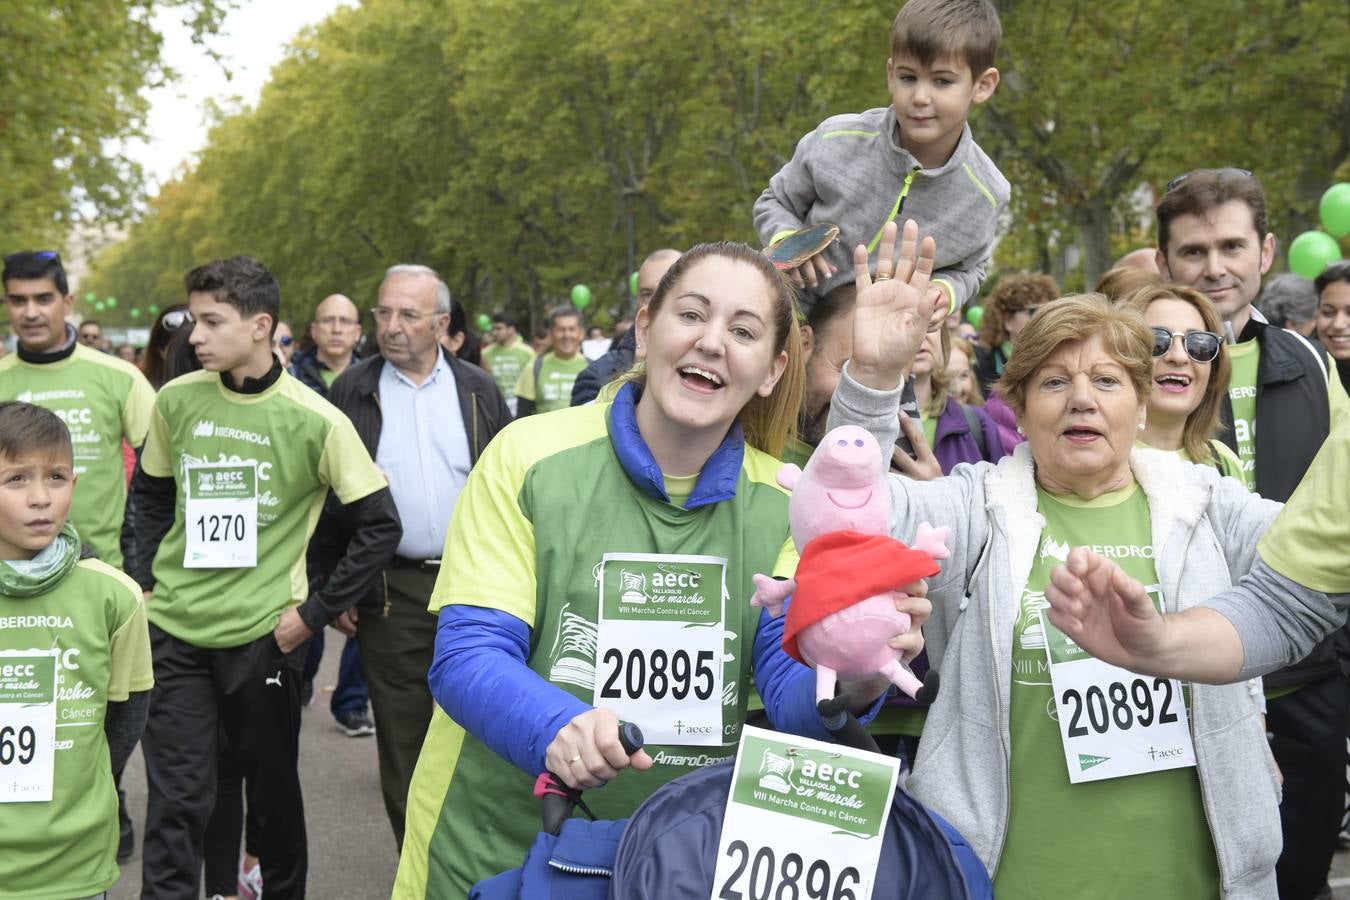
396 651
1309 746
220 852
252 694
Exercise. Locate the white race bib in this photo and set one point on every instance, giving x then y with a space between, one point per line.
1113 722
803 819
27 725
659 645
221 515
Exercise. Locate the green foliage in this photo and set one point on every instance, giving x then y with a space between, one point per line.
522 147
71 81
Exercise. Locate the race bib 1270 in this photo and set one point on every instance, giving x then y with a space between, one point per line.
659 645
221 515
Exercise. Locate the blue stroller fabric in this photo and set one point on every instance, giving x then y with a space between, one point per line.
573 865
669 849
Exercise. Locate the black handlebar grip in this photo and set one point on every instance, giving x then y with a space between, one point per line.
630 736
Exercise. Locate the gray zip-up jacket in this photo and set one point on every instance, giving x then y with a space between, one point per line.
852 171
1205 532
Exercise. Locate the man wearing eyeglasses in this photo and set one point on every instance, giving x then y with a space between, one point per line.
102 399
1282 401
335 331
425 416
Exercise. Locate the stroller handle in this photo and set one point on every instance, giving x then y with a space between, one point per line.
558 800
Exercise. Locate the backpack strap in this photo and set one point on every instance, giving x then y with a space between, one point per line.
538 367
976 429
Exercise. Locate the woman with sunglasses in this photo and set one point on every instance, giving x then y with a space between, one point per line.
1190 375
172 322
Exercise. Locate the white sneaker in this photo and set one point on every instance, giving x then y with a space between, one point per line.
250 882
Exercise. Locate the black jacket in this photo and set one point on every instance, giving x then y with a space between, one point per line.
357 393
308 368
1293 418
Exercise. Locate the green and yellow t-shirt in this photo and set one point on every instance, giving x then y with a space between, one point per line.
546 501
1139 836
1307 542
1246 358
1225 460
553 388
67 846
302 445
103 400
507 364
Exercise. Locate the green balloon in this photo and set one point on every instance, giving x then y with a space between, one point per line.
1335 209
975 315
484 321
632 284
90 298
98 305
135 312
581 296
1311 251
154 310
111 303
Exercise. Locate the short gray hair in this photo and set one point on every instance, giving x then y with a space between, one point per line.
442 289
565 311
1288 298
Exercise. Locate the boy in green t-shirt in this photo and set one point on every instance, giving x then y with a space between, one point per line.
75 674
236 466
508 357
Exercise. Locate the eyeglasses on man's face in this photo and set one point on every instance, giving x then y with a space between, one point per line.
336 322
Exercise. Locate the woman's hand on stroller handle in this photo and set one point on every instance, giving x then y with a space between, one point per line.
589 750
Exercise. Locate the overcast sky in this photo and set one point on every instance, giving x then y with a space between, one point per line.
253 39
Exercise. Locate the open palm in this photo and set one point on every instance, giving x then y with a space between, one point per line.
893 311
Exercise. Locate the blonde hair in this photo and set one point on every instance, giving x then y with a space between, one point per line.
966 347
1203 422
941 382
765 420
1119 283
1079 317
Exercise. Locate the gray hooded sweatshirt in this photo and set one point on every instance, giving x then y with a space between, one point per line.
851 171
1205 531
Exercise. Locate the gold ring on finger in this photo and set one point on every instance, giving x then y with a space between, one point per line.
574 759
882 276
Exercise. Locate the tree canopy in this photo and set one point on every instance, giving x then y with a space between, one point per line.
520 148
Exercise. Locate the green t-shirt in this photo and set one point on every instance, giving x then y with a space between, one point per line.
929 425
1308 541
554 388
103 400
1226 460
67 846
302 446
1245 358
1139 836
545 502
506 365
328 375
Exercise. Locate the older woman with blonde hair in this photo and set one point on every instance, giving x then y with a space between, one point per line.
1052 762
1190 375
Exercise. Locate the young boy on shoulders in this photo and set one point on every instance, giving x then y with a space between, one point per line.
75 674
915 159
236 466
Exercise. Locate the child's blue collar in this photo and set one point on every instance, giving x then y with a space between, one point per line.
717 481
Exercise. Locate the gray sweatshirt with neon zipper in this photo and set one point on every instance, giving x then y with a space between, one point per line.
851 171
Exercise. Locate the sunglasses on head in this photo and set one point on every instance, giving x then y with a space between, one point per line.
1227 170
175 320
1201 346
44 255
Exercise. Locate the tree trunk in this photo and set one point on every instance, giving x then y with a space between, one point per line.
1093 219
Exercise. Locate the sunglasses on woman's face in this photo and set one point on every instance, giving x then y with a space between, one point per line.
175 320
285 340
1201 346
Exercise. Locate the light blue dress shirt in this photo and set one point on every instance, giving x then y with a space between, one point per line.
424 451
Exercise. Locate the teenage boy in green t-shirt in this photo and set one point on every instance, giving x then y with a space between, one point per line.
75 674
508 357
236 466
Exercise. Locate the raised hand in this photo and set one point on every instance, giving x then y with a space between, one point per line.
894 310
1106 612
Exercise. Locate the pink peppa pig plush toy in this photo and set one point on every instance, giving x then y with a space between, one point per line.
851 571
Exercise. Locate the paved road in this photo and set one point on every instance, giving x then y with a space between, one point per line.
351 849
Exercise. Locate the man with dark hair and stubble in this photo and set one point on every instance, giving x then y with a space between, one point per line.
236 466
1282 401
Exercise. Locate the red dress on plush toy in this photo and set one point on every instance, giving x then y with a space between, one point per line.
851 571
